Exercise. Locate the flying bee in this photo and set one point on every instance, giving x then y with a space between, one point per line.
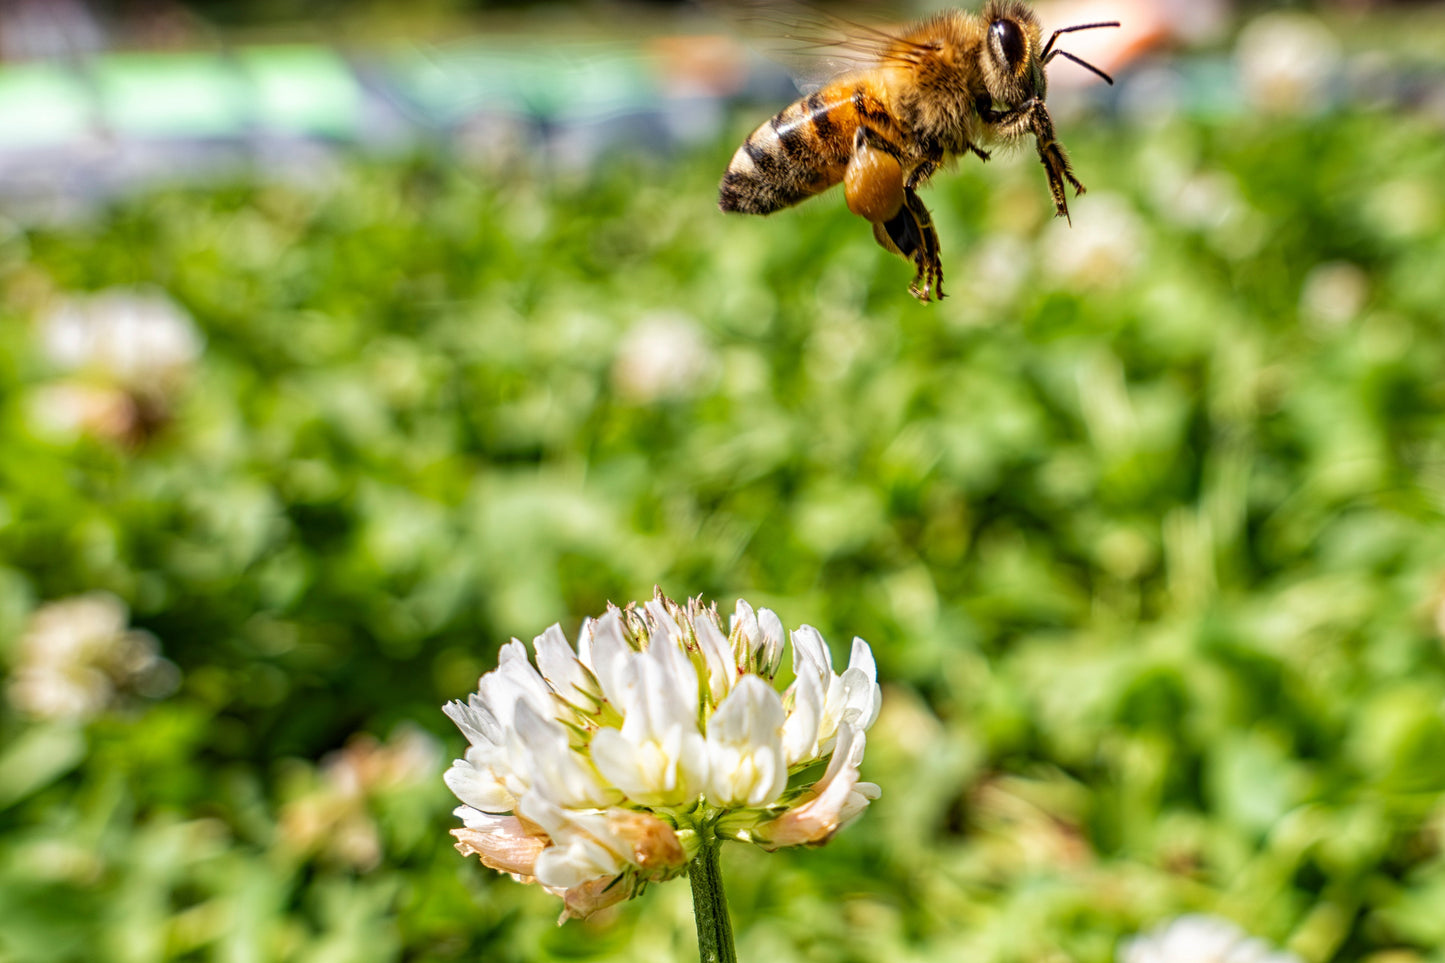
946 86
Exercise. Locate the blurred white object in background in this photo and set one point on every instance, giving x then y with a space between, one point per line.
1006 260
78 653
664 355
1287 61
331 813
1200 939
1101 250
131 335
125 353
1333 294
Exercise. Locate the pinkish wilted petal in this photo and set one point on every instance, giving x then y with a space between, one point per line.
504 846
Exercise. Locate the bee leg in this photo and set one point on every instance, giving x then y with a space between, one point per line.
1032 117
925 168
910 234
1054 159
875 188
930 265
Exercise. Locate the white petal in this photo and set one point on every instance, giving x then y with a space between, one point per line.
556 770
834 800
562 670
810 652
480 789
512 680
745 747
743 632
805 712
665 630
770 647
847 755
861 659
663 696
612 656
717 656
476 721
476 819
584 643
574 862
861 795
667 772
616 758
751 714
861 697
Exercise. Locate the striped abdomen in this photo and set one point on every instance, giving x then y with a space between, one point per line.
801 151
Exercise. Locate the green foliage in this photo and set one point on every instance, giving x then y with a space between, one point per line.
1143 526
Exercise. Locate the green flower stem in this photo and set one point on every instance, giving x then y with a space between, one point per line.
710 905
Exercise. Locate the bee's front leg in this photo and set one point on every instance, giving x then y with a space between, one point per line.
875 188
1055 161
1032 117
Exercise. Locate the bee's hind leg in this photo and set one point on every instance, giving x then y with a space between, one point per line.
876 188
910 234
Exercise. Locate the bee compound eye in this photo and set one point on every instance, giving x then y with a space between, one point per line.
1008 42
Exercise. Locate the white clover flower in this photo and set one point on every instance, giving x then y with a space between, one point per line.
606 768
126 354
1287 61
77 653
1200 939
1102 253
663 356
134 336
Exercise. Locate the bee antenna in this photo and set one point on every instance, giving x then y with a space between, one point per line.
1048 47
1082 63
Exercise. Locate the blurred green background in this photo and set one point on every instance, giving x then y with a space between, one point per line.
1143 523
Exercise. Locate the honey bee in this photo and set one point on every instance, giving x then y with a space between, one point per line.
946 86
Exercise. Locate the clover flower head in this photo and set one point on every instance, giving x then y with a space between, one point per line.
1197 938
600 769
78 655
123 357
333 811
663 356
133 336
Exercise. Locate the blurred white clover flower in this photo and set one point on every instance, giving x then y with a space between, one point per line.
1197 938
125 352
663 356
1287 61
1103 251
77 653
332 814
1333 294
133 336
608 767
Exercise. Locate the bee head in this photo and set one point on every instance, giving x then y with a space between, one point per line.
1010 59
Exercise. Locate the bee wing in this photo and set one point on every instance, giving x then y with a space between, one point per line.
814 44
